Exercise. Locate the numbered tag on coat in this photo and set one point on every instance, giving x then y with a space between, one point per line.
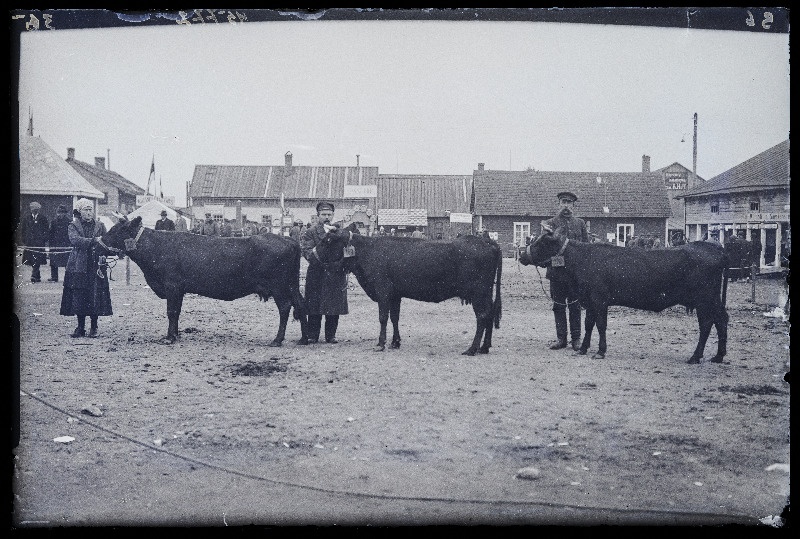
130 244
557 261
349 251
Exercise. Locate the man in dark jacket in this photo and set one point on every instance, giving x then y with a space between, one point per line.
35 229
165 223
562 290
59 242
326 284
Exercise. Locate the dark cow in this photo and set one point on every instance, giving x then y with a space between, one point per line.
652 280
741 255
390 268
643 242
177 263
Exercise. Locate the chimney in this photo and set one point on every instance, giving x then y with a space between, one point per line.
480 166
645 163
100 162
288 167
70 154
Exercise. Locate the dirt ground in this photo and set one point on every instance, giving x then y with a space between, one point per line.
221 430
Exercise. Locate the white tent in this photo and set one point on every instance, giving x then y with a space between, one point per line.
151 212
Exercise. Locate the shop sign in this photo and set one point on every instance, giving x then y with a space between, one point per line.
360 191
777 216
769 225
461 218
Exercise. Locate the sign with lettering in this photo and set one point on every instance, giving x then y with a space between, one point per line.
776 216
360 191
141 200
460 217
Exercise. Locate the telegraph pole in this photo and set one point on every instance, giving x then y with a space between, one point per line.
694 154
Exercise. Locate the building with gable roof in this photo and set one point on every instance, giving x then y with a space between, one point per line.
615 205
119 193
750 200
44 177
278 195
425 201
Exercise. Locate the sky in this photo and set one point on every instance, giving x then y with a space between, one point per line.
432 97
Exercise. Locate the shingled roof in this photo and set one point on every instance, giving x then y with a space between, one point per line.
93 173
767 170
534 193
435 193
242 182
43 172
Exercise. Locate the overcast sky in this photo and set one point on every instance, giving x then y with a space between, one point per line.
408 97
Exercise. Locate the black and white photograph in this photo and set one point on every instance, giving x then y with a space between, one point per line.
359 267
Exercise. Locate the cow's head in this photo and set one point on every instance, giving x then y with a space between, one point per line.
541 249
122 235
335 245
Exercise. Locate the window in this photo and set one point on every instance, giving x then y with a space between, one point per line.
217 217
715 207
521 231
266 220
754 205
103 200
623 233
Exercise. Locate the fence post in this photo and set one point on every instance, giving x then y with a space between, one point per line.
753 283
127 270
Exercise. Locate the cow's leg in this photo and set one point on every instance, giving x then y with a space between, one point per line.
721 323
588 326
284 308
486 316
483 318
383 318
174 305
394 312
704 321
601 319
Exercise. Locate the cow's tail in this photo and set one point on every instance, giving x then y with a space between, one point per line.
497 308
726 263
298 302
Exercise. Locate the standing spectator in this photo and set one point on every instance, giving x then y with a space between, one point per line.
209 227
296 230
180 223
417 233
59 237
165 223
562 290
35 230
86 291
326 284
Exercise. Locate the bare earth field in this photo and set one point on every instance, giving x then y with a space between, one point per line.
221 430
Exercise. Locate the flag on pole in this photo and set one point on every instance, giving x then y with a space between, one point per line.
160 188
151 178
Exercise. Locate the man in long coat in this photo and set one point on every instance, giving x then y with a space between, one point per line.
326 284
35 230
562 291
165 223
59 242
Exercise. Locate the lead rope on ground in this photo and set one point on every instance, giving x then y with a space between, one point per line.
726 518
548 294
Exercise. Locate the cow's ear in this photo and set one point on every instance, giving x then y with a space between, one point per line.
136 221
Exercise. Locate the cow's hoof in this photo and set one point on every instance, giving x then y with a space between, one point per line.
469 352
275 344
167 340
580 352
379 348
302 342
598 355
483 350
394 345
717 359
693 360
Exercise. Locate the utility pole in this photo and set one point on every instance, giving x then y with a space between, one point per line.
694 154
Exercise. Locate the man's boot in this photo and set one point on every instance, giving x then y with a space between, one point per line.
331 323
314 325
575 326
561 330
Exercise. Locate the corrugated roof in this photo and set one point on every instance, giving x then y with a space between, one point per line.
94 173
304 182
627 194
43 172
435 193
767 170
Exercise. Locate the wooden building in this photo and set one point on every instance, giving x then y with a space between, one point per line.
277 195
119 193
677 179
46 178
750 200
424 201
510 205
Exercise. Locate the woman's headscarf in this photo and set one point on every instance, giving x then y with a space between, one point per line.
83 203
